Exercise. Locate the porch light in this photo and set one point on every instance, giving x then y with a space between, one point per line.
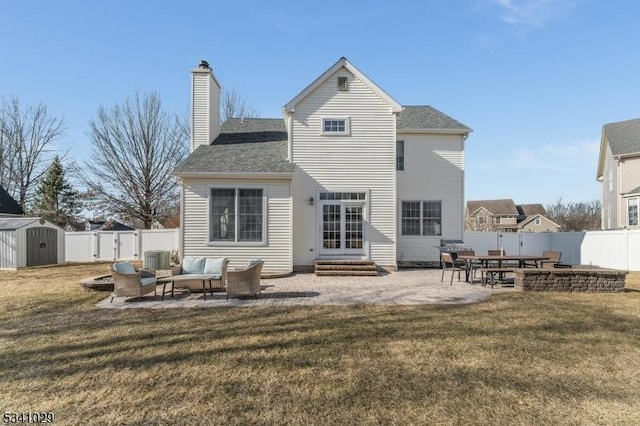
311 201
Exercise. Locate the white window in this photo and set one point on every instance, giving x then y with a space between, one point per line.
335 126
237 215
632 211
399 155
538 221
343 84
421 218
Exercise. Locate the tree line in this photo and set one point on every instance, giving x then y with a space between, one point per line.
135 145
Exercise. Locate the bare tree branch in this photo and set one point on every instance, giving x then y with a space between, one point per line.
136 145
234 106
25 138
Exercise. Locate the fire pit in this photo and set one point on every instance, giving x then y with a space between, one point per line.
97 283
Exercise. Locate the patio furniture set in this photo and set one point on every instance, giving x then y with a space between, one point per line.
494 266
194 273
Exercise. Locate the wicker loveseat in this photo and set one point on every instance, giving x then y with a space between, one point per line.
128 282
192 265
245 282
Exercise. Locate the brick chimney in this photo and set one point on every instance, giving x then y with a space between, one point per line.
205 106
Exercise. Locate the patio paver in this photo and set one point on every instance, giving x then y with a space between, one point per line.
404 287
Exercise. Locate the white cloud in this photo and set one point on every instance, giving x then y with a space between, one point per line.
534 13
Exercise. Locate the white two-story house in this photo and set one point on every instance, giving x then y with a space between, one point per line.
348 173
619 173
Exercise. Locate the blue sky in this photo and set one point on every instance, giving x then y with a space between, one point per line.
535 79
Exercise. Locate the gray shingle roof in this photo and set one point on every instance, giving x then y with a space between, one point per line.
623 136
634 191
425 117
531 209
7 204
250 145
496 207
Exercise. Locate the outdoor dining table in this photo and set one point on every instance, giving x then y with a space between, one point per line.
486 260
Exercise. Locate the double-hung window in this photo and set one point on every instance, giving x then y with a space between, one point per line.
237 215
421 218
632 211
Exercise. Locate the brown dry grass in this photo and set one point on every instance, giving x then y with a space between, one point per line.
518 358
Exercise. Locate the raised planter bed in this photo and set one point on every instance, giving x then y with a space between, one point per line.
575 279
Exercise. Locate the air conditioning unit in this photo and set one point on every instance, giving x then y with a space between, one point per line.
156 259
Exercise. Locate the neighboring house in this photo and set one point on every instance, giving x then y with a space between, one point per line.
348 173
505 215
619 173
8 205
109 225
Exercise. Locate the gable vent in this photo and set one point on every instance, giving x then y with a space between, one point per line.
343 85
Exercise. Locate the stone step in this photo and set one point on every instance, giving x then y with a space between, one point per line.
340 267
371 267
344 262
346 273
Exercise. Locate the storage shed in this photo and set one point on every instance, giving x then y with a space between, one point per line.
29 241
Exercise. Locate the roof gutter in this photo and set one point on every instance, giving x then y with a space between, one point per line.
464 132
233 175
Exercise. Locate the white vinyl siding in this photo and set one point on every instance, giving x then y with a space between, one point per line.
610 196
206 109
275 250
363 160
434 170
629 180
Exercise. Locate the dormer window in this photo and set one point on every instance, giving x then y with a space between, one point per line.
343 84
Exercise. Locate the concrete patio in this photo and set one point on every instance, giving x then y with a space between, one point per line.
405 287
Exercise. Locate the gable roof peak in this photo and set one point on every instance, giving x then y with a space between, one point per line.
342 62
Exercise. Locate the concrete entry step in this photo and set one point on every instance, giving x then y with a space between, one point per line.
347 273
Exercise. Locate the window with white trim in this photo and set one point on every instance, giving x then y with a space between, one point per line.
538 221
632 212
400 155
335 126
237 215
421 218
343 84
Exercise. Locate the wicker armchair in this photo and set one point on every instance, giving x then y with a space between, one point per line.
245 282
128 282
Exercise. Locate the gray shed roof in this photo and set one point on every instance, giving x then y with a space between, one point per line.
11 223
623 136
250 145
425 117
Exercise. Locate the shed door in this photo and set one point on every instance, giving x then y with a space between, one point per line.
42 246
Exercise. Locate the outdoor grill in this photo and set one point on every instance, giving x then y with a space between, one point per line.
452 246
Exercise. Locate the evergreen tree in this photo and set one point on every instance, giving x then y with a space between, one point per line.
55 199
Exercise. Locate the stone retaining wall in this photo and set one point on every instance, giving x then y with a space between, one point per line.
570 280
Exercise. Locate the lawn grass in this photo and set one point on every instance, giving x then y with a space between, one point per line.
517 358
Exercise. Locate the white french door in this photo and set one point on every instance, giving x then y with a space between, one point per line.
342 231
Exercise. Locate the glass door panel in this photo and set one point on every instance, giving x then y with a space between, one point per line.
331 227
353 227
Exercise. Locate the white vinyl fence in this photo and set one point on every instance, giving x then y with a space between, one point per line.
609 249
98 246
